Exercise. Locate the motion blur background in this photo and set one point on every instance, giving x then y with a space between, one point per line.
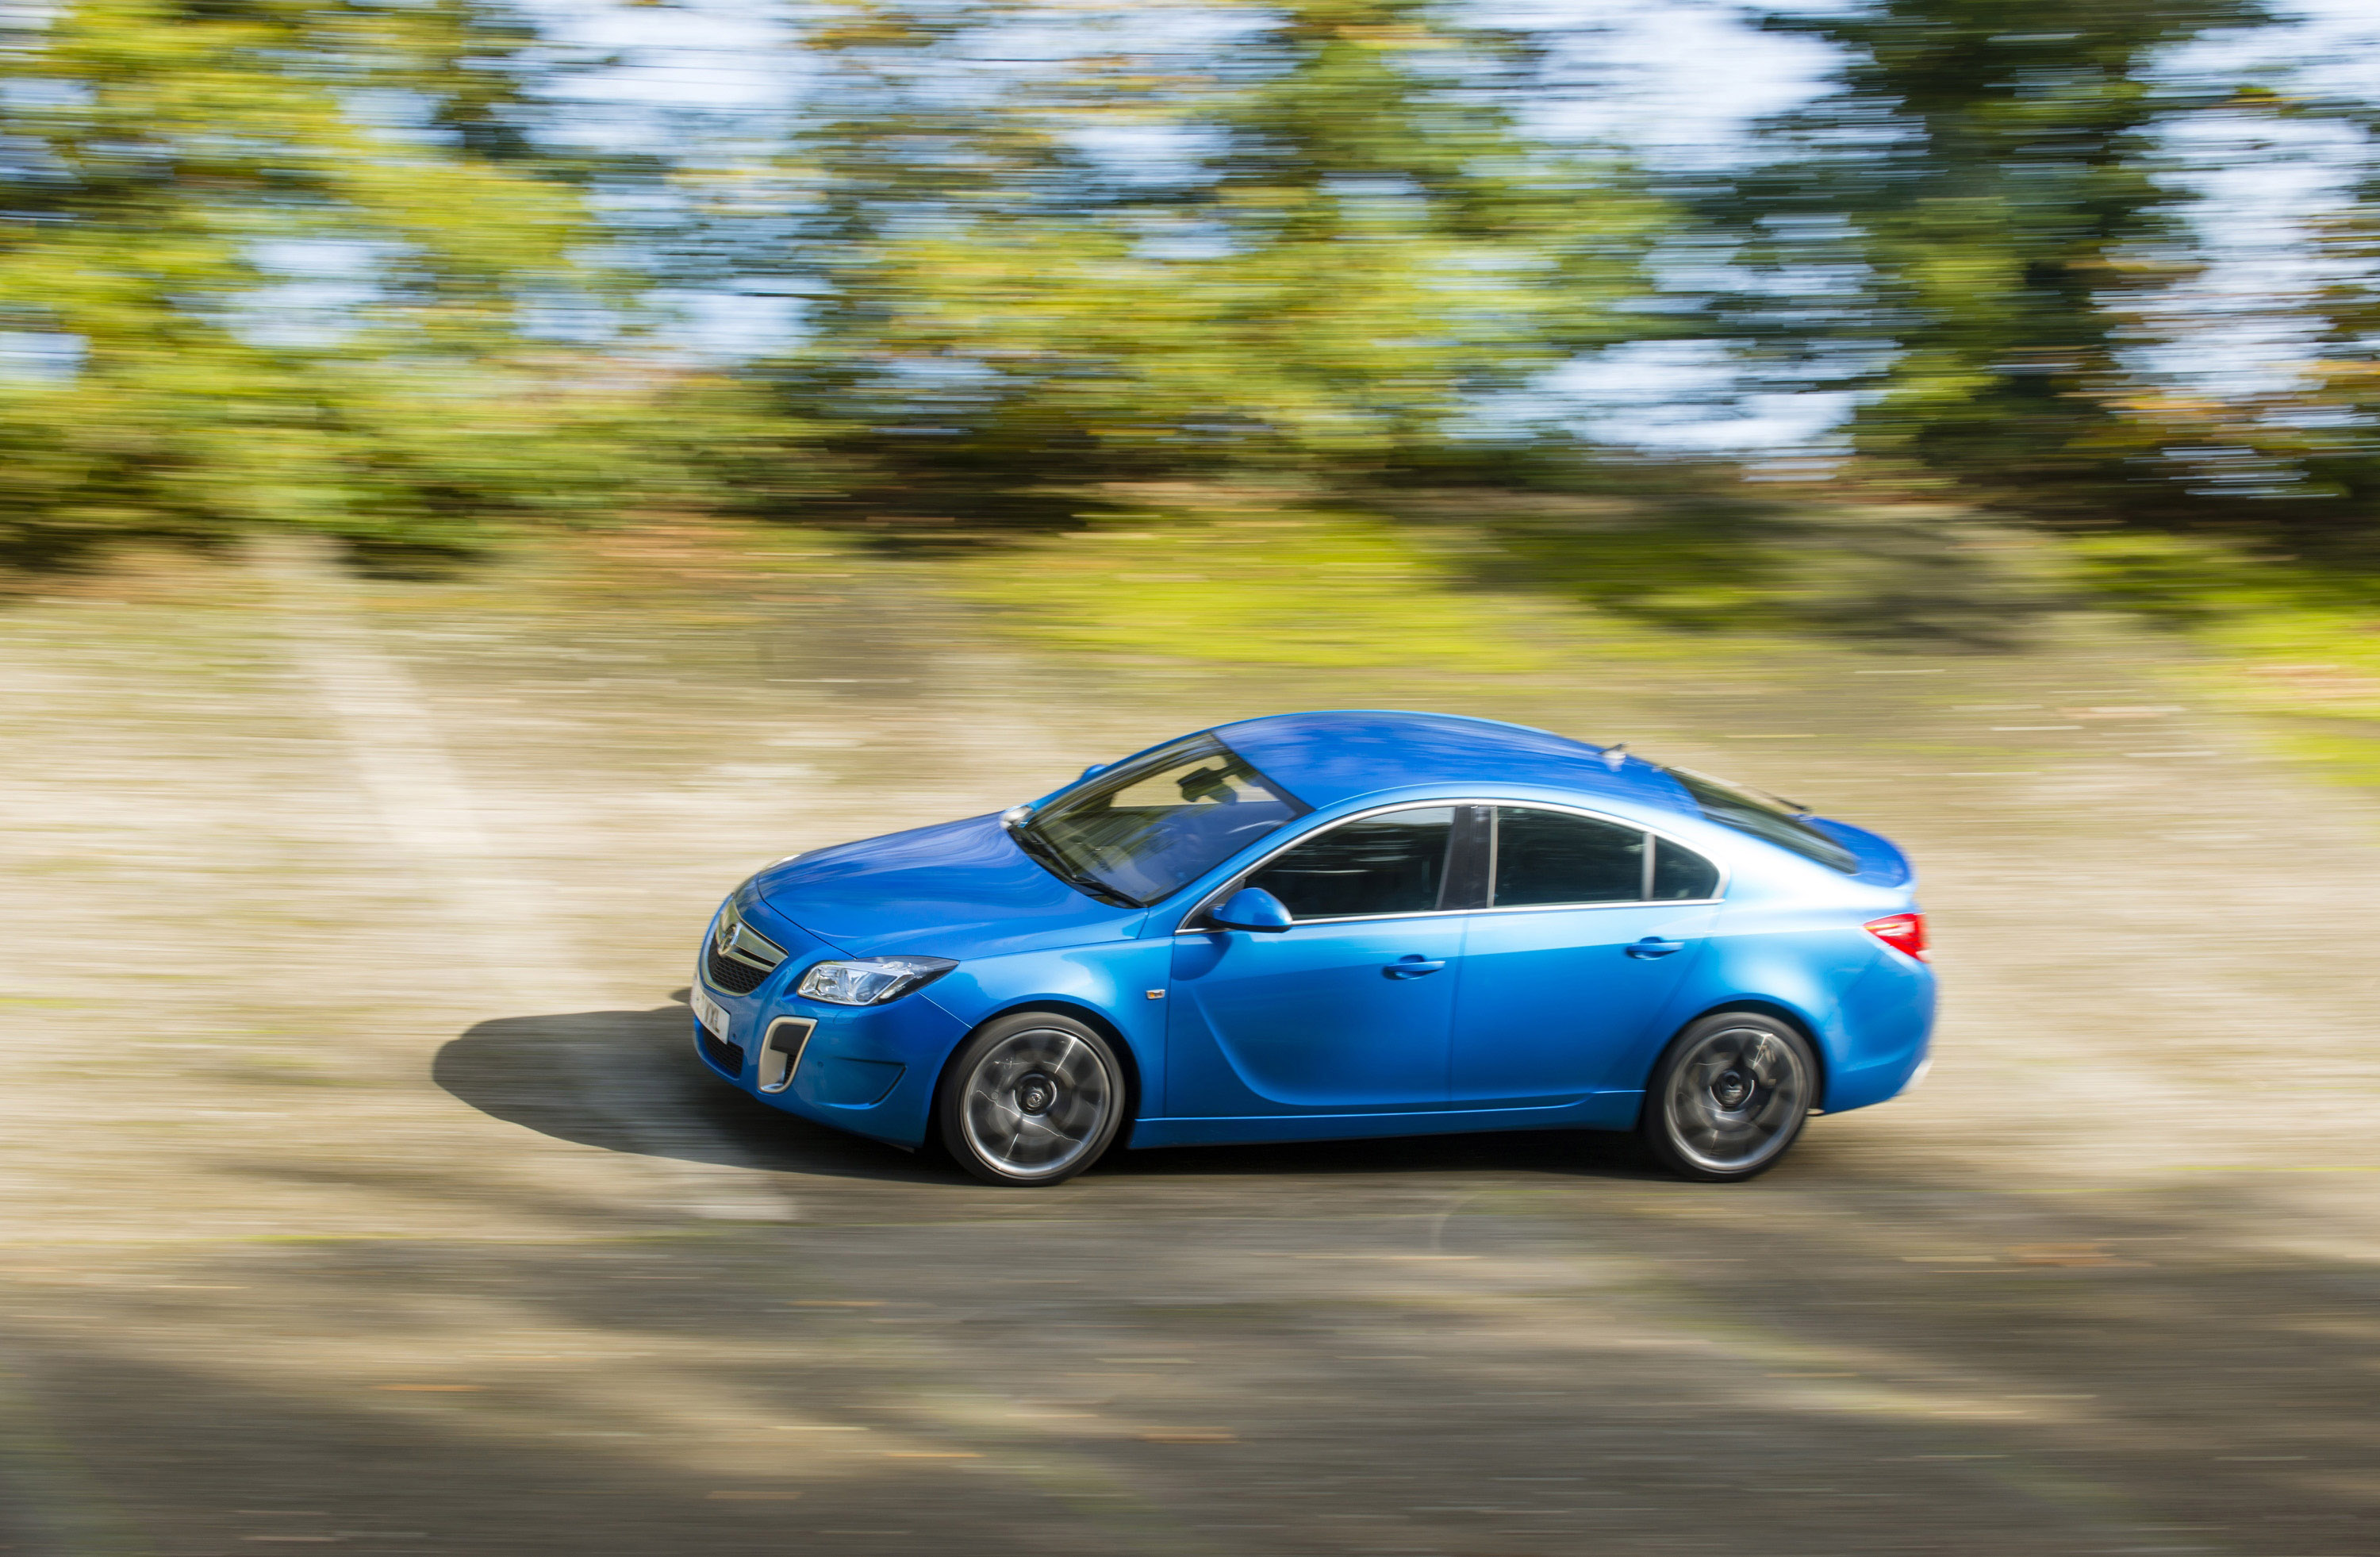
412 274
429 278
477 481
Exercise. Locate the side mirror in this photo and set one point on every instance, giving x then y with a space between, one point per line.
1251 908
1094 771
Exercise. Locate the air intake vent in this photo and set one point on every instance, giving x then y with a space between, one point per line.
735 978
726 1057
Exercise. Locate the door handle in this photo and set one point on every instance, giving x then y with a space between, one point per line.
1653 946
1412 966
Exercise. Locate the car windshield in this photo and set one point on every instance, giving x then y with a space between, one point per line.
1764 816
1147 827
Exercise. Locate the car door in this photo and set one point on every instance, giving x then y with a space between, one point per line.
1589 929
1350 1009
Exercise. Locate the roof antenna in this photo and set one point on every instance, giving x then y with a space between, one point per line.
1615 754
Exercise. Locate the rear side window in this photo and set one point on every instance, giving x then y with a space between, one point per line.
1390 864
1552 857
1764 816
1679 875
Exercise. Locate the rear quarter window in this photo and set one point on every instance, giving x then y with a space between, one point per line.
1680 875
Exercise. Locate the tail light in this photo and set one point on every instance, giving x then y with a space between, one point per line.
1903 932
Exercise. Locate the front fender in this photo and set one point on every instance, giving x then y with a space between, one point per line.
1122 983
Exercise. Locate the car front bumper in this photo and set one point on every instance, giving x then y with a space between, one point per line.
869 1069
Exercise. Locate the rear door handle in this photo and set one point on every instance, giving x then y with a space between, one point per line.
1412 968
1654 946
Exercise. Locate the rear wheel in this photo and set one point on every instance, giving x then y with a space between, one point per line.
1033 1099
1729 1097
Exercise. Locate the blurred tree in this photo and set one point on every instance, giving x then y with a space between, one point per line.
1052 243
272 261
1398 249
2329 432
2260 384
1963 227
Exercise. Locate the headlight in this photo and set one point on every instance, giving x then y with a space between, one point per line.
871 980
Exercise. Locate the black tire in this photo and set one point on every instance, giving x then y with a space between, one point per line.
1729 1097
1032 1099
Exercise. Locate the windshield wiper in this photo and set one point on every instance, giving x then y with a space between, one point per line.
1042 852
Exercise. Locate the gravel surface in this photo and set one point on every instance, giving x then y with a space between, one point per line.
358 1188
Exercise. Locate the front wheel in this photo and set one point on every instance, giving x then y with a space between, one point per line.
1729 1097
1033 1099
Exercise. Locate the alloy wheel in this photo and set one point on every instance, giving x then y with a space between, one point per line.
1736 1098
1036 1101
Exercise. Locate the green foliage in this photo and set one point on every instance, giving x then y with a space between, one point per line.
1964 225
1343 242
163 162
296 263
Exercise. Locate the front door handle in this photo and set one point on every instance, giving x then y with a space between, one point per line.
1654 946
1412 966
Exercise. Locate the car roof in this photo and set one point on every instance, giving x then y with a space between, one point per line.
1333 755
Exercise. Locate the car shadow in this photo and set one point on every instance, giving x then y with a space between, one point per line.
1566 1154
628 1081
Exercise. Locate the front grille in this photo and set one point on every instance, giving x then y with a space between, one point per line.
735 978
726 1057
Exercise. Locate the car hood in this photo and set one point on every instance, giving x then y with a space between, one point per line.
960 889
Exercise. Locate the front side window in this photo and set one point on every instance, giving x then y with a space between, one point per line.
1552 857
1152 826
1394 863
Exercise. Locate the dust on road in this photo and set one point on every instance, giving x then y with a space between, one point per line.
359 1190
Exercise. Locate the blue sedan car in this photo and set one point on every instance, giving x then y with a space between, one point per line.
1327 925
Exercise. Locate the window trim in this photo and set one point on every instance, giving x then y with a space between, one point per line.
1186 924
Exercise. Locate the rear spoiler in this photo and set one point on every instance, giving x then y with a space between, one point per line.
1880 861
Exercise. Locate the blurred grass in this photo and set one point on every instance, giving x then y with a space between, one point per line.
2291 640
1496 582
1500 582
1481 583
1308 587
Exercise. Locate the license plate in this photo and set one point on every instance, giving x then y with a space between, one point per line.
711 1014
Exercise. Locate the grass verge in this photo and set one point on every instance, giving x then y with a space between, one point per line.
2292 643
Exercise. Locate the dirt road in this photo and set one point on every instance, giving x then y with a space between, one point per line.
359 1190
